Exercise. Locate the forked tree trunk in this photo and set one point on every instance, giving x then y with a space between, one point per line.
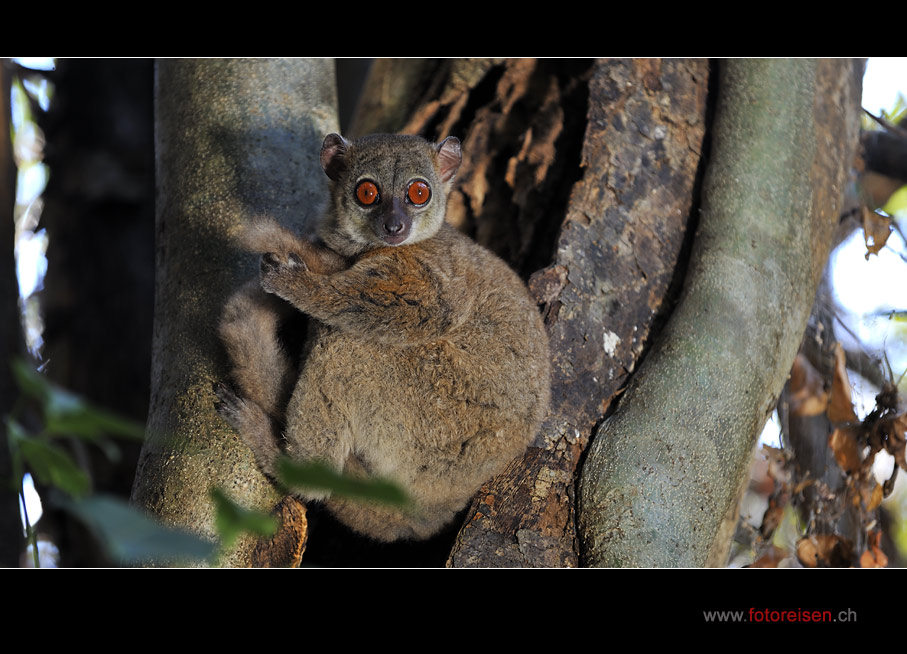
666 468
620 241
586 170
584 175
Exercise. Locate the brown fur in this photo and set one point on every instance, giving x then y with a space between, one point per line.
427 362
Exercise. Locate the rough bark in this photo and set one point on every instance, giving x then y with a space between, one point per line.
393 89
521 123
11 342
664 469
617 251
234 138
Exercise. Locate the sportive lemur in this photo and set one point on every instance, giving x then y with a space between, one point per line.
426 362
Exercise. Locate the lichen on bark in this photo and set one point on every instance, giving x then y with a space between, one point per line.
234 139
666 466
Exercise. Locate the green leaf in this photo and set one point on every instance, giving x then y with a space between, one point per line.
897 203
898 111
67 414
50 464
318 476
29 380
20 102
86 421
129 536
232 519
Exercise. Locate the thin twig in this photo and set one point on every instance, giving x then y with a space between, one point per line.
894 225
895 129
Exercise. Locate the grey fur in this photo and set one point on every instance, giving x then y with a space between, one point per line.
427 361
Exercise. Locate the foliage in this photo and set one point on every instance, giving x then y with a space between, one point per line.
66 414
128 535
898 112
320 477
54 413
854 444
897 204
891 116
232 520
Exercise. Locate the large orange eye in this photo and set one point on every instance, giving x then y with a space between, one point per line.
367 192
418 192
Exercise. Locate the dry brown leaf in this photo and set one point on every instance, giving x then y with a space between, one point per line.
826 550
895 430
771 519
874 557
843 444
876 498
840 407
770 559
876 230
807 389
778 470
900 426
869 496
808 552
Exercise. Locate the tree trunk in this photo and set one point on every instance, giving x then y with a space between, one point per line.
393 89
630 134
586 170
664 470
11 342
98 210
234 138
618 248
560 156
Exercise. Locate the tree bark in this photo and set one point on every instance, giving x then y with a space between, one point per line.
392 91
560 157
665 468
234 138
618 247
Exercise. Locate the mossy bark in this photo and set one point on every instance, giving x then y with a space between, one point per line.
234 138
664 469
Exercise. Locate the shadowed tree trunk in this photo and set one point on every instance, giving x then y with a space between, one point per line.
667 466
11 342
234 138
99 215
619 244
97 296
